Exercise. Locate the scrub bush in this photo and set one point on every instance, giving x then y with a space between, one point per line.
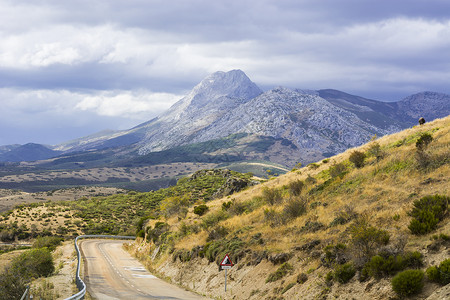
343 273
427 213
407 283
357 158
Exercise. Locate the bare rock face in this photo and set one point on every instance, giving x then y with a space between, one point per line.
429 105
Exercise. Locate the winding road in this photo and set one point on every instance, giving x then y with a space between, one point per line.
112 273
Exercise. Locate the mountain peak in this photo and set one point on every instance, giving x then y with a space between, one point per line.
233 84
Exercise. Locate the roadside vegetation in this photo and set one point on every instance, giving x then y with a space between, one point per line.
30 265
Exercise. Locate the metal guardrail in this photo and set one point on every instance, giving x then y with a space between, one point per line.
80 284
26 295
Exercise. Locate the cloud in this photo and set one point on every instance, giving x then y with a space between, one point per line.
133 105
54 116
99 64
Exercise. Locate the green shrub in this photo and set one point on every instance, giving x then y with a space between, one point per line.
357 158
343 273
12 285
302 278
407 283
427 213
433 274
34 263
213 218
200 209
380 266
159 229
51 242
422 158
238 208
344 215
440 274
375 150
423 141
282 271
288 287
173 205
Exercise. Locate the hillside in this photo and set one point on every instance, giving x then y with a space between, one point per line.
289 237
299 235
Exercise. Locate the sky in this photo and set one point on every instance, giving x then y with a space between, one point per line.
72 68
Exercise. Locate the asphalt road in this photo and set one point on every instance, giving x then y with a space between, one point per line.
112 273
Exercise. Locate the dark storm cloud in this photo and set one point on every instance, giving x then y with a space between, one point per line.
131 59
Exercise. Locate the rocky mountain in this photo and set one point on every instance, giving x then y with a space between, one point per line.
429 105
403 113
306 125
316 127
206 104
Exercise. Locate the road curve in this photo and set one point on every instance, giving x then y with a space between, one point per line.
112 273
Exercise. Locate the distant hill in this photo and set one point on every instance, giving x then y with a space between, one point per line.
28 152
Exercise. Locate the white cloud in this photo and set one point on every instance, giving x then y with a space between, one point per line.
133 105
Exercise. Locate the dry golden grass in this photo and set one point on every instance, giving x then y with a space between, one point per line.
383 190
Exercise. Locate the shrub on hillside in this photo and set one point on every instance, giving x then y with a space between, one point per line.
216 233
173 205
407 283
302 278
357 158
272 196
422 157
155 233
375 150
12 285
380 266
51 242
423 141
295 187
344 215
343 273
216 250
240 207
337 170
294 208
200 209
213 218
440 274
427 213
34 263
366 239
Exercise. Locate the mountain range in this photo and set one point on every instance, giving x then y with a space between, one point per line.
296 125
